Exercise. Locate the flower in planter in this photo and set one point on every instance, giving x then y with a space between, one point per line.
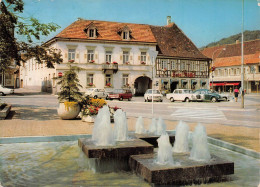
108 84
164 69
114 62
143 62
71 61
92 106
91 61
107 62
127 63
90 84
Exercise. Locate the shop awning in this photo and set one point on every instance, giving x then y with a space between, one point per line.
225 84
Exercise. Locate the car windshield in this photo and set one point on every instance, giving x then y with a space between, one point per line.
118 91
154 91
187 91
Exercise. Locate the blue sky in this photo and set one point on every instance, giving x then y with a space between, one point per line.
203 21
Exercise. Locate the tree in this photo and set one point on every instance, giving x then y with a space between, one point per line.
12 25
70 85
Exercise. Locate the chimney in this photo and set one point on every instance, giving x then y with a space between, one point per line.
169 20
237 41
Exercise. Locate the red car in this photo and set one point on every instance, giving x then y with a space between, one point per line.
120 94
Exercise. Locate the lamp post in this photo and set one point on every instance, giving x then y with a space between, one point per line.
242 58
153 55
212 72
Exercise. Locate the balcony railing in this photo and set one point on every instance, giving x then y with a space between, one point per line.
182 74
111 66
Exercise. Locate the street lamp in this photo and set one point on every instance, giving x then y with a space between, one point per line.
153 55
242 58
212 71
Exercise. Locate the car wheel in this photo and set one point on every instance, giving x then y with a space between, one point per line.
107 98
95 97
187 99
161 100
171 99
121 99
2 93
225 99
129 99
213 99
145 100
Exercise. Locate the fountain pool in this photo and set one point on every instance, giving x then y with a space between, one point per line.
64 164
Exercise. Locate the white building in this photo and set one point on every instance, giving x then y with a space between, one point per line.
111 55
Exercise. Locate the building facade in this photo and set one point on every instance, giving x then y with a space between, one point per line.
226 74
115 55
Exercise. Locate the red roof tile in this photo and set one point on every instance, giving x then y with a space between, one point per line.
174 43
108 31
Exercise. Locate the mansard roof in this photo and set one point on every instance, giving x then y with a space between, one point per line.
172 42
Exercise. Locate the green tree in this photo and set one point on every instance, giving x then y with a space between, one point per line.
12 25
70 87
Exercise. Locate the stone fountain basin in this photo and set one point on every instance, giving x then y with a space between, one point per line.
122 149
151 138
186 172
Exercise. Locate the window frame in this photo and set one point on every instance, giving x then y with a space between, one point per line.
71 54
108 56
143 56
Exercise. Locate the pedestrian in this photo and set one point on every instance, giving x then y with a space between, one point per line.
236 92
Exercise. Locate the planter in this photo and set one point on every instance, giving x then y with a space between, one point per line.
68 110
88 118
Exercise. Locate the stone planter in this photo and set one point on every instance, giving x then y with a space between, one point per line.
5 111
70 111
88 118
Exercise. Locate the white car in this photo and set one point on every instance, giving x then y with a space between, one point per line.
4 90
153 94
180 95
96 93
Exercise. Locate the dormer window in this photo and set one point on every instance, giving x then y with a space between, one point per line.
91 30
91 33
125 35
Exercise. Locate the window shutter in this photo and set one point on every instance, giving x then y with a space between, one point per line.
139 57
121 57
96 56
85 56
77 56
131 57
148 58
66 55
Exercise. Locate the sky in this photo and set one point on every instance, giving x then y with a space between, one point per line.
203 21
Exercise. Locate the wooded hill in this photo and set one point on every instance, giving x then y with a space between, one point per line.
248 35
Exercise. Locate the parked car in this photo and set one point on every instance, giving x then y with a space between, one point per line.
153 94
96 93
225 96
120 94
180 95
4 90
205 95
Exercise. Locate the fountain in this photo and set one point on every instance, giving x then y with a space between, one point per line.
164 155
181 144
161 127
108 144
200 150
139 126
156 129
161 169
121 127
153 127
112 151
102 132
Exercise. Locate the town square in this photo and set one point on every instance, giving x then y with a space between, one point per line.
129 93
